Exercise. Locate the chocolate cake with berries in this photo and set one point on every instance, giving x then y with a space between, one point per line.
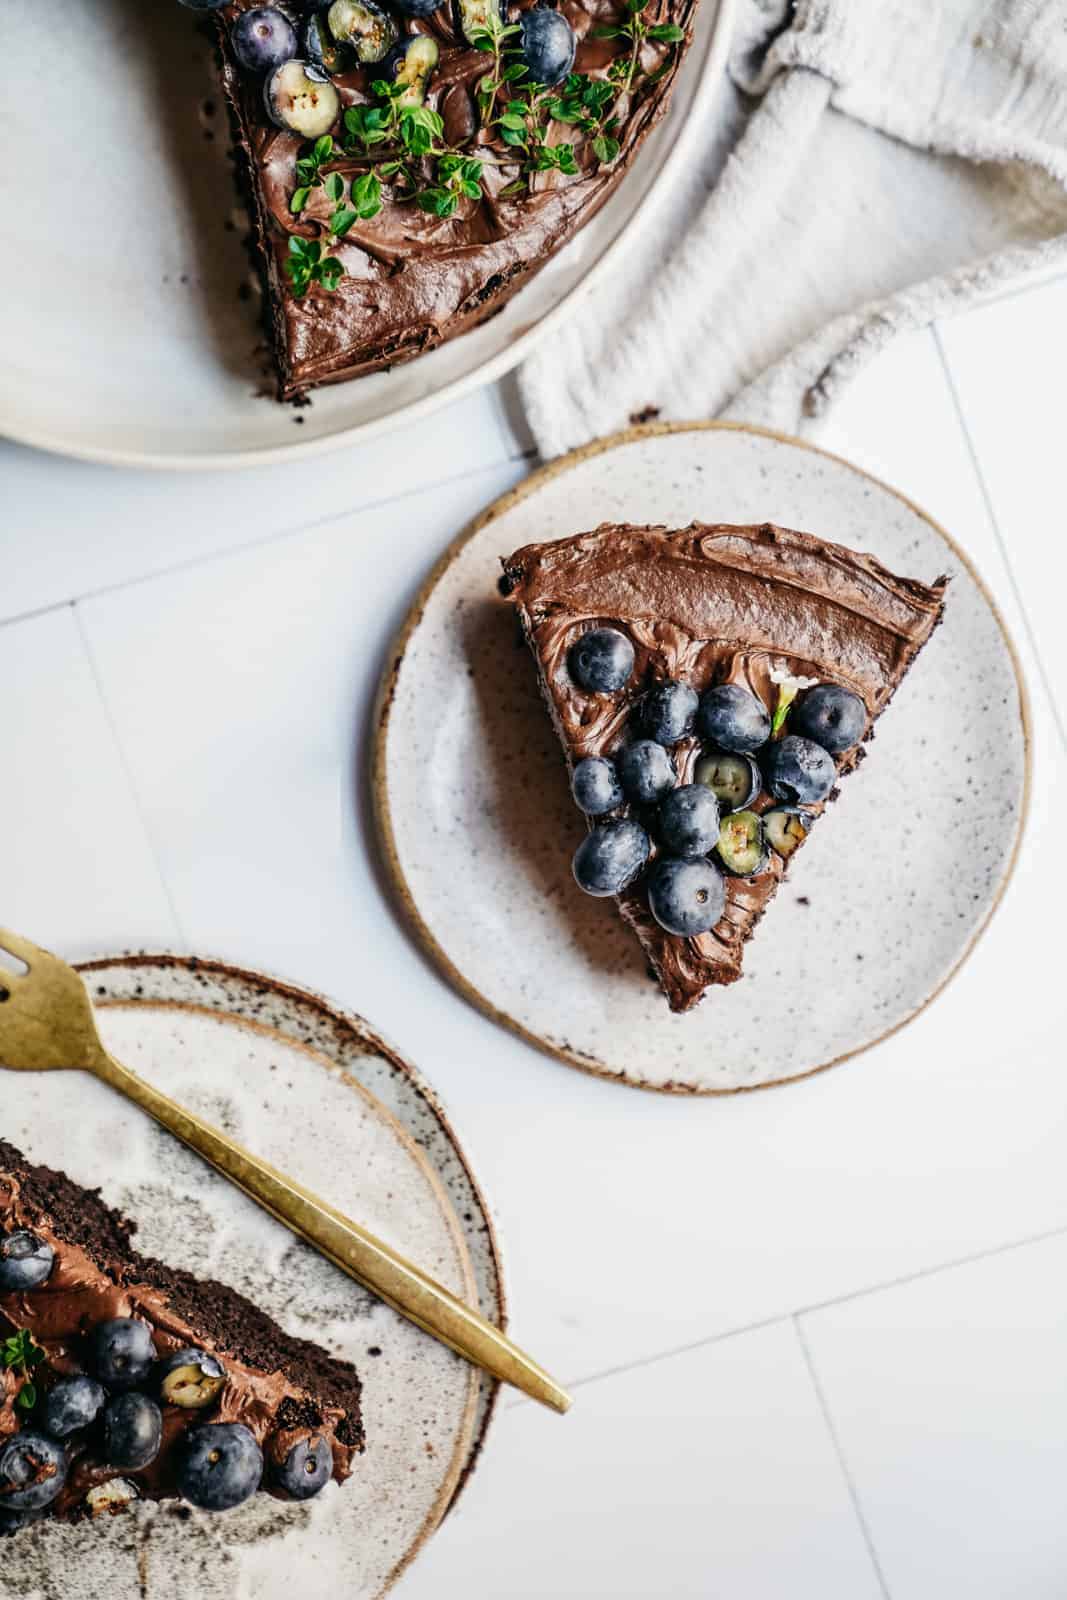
122 1378
711 686
411 164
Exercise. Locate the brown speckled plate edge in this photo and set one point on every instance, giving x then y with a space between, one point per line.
383 707
345 1039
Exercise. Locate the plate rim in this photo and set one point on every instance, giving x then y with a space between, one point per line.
488 371
472 1436
386 840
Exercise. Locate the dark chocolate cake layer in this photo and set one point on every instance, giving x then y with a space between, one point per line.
286 1391
707 605
413 279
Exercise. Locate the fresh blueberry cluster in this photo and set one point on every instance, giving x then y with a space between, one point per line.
114 1413
341 36
708 827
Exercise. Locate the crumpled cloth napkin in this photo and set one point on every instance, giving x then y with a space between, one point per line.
871 165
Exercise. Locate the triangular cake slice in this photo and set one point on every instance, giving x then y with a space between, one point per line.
757 659
122 1378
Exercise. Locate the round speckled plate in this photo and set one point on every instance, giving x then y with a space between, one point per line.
882 905
320 1096
156 358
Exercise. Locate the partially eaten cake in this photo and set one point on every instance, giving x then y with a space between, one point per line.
410 164
122 1378
710 686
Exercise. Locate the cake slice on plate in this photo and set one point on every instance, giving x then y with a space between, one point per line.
410 165
122 1378
710 686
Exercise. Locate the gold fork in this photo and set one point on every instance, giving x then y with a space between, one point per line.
47 1023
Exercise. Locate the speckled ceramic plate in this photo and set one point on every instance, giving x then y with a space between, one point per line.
132 343
320 1096
881 906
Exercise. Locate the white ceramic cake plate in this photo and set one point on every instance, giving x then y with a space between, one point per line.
882 904
122 266
323 1098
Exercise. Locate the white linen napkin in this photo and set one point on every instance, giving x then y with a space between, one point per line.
871 165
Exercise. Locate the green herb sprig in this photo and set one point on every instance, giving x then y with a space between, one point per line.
635 30
309 260
20 1353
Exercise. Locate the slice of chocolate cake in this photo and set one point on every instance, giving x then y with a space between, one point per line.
411 164
122 1378
710 687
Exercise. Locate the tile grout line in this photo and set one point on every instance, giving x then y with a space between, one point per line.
127 771
846 1471
997 532
811 1309
265 543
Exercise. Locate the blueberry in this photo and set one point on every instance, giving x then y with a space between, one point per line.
417 8
735 781
411 65
13 1521
685 897
610 857
300 102
306 1469
601 661
733 718
122 1353
646 772
742 849
364 26
262 39
668 712
218 1465
25 1262
33 1470
786 828
832 716
133 1431
71 1404
476 16
799 771
205 5
192 1379
321 49
689 821
595 786
547 44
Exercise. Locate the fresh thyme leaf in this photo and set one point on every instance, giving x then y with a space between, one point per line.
21 1351
299 200
342 220
366 195
26 1398
334 186
330 272
323 149
669 32
605 148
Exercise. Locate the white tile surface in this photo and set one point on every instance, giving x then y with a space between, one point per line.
78 874
1011 405
949 1400
711 1474
72 529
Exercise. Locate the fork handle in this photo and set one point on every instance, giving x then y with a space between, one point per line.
401 1284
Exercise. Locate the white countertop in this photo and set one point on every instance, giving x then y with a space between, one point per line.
818 1336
